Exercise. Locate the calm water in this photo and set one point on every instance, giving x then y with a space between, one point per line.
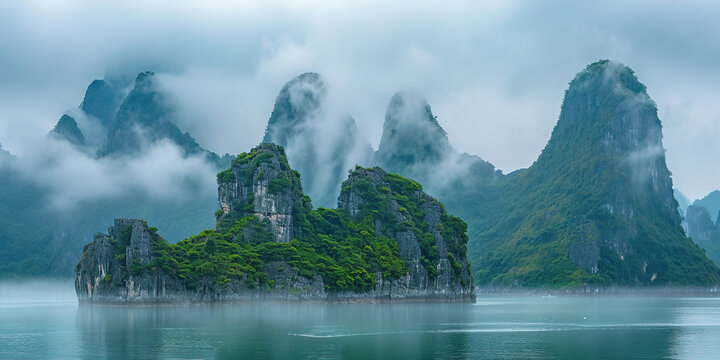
45 322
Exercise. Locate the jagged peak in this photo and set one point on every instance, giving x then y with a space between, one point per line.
299 98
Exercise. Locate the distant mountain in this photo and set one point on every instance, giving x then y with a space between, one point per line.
702 222
704 231
322 146
711 202
412 140
44 241
144 118
101 101
67 129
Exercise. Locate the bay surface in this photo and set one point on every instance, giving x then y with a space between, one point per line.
43 321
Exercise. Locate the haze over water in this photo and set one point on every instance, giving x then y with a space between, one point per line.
44 321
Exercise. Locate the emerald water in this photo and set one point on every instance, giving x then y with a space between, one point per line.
43 321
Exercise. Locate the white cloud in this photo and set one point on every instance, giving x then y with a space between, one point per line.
73 176
494 72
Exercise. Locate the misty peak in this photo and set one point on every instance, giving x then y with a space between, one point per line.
146 117
299 99
101 102
411 134
606 104
67 129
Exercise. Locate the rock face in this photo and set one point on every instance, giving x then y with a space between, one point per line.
67 129
263 186
113 265
388 241
437 264
118 267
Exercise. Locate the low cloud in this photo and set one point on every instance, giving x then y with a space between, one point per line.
493 72
73 176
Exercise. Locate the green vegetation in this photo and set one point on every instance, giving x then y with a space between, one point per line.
348 253
585 189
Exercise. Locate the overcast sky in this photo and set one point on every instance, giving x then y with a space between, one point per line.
494 73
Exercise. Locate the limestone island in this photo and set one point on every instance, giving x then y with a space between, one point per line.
387 241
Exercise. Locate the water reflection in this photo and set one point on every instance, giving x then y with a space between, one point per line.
273 331
494 328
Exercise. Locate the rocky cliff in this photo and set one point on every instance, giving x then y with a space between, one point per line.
262 185
388 241
431 242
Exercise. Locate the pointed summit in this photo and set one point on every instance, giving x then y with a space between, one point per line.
597 207
145 118
101 101
607 116
321 146
411 134
299 100
67 129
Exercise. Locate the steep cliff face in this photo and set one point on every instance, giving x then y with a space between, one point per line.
261 184
389 241
430 241
597 206
117 266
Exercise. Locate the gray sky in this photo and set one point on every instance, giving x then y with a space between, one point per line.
494 73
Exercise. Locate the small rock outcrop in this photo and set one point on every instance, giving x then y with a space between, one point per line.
431 242
115 266
261 184
388 241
